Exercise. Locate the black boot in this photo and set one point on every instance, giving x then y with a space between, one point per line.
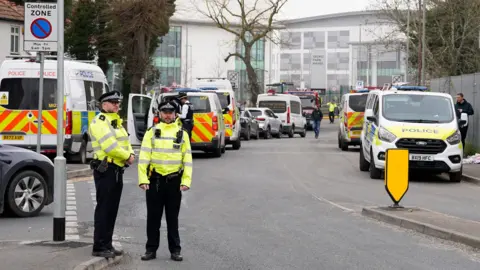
149 256
176 257
104 253
117 252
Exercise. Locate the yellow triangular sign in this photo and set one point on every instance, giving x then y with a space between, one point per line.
4 96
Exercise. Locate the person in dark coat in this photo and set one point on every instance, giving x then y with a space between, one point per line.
463 106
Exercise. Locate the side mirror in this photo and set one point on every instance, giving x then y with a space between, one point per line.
226 110
275 116
463 120
369 115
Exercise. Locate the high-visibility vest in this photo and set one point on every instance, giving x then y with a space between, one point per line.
331 106
110 139
159 153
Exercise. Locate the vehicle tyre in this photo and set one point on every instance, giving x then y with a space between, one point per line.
81 156
217 152
304 133
279 134
374 172
339 142
344 145
223 149
26 194
363 164
456 177
247 136
257 134
292 132
236 144
267 135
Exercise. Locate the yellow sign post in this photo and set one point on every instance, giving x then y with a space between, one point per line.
396 174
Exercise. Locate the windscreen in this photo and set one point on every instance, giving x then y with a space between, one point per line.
357 102
23 93
417 108
224 98
255 113
200 104
276 106
307 101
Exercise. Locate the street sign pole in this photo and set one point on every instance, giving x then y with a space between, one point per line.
40 102
60 161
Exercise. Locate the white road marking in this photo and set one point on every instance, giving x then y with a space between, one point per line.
71 230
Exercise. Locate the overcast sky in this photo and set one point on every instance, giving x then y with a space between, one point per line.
307 8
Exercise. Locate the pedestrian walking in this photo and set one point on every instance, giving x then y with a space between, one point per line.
331 111
317 117
463 106
164 172
186 115
112 153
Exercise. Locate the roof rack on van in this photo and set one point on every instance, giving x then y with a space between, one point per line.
212 78
16 57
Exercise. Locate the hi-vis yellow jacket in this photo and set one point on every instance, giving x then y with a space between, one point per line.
108 140
162 156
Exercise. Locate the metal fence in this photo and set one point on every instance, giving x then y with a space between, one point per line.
469 85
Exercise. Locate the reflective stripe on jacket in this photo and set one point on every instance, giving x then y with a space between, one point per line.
162 156
109 141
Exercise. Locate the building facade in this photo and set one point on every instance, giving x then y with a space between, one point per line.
335 50
11 28
197 49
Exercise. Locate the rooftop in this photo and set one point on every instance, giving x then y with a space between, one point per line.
10 11
330 16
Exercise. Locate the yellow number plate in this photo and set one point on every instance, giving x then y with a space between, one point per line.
12 137
356 133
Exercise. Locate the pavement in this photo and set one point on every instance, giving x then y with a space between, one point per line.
289 203
471 173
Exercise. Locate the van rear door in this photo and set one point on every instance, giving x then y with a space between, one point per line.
203 130
139 109
355 114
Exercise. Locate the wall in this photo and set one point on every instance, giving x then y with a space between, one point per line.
5 29
469 85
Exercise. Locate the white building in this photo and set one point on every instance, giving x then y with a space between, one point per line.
197 48
346 47
11 29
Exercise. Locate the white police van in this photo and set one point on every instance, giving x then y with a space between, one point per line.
410 118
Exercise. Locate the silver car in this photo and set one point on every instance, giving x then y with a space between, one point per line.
268 123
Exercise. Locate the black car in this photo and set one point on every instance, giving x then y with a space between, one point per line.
26 181
249 126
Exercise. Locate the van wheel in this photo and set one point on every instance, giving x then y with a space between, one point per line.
292 132
223 149
81 156
344 145
217 152
456 176
236 145
374 172
363 164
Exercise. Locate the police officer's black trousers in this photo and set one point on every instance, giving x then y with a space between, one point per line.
463 133
188 127
109 186
163 193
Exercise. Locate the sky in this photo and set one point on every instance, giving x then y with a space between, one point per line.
292 9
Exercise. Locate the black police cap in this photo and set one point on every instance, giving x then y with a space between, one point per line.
167 106
111 96
182 95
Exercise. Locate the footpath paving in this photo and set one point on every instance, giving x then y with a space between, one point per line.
70 254
471 173
428 222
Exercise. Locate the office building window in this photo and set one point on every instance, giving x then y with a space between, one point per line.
168 57
14 39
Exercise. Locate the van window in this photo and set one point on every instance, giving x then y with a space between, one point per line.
77 94
277 106
93 91
23 93
358 102
224 98
255 113
200 104
296 107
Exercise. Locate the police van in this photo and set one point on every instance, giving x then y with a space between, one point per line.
84 81
288 108
209 132
410 118
226 95
352 108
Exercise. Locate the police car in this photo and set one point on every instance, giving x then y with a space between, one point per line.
410 118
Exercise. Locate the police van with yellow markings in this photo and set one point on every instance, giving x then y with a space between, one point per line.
352 108
408 117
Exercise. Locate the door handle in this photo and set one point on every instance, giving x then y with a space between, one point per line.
7 161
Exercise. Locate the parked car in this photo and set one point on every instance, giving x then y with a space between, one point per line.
269 123
26 181
249 126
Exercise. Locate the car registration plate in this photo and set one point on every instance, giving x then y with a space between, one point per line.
414 157
12 137
356 133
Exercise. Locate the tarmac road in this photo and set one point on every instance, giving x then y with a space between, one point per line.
294 204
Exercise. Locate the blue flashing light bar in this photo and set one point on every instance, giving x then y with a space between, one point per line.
362 91
187 90
410 88
208 88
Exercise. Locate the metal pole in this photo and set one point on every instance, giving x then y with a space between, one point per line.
60 176
186 57
423 40
407 62
40 102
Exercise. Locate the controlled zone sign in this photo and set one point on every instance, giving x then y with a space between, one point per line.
41 31
396 173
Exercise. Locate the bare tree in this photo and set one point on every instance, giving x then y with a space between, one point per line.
249 23
218 70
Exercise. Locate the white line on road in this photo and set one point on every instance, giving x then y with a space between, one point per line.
71 230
